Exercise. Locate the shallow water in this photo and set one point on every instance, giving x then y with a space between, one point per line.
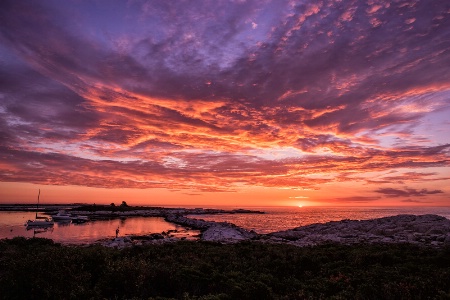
12 225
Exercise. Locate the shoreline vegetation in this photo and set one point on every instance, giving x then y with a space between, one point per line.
38 268
398 257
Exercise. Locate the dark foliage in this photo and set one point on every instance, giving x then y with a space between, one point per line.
40 269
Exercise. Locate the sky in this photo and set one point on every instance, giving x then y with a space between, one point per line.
235 102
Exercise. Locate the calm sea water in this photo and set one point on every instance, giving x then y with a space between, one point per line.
12 224
274 219
283 218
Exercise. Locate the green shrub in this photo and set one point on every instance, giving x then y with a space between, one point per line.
41 269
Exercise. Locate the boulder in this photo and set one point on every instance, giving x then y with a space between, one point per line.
226 233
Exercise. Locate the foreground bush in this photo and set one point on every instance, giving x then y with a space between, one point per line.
40 269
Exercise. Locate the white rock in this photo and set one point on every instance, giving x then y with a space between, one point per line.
219 233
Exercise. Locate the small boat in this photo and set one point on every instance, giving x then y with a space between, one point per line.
62 216
39 221
79 219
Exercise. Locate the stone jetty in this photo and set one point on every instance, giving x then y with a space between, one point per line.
214 231
108 212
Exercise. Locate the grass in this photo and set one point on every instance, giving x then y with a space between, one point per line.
40 269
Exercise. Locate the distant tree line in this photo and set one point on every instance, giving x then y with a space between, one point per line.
123 204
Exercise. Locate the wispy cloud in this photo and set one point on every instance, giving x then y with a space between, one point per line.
407 192
357 199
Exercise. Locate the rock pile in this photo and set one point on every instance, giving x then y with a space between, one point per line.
128 241
227 233
214 231
431 230
192 223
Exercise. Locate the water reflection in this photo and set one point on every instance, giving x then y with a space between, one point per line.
12 225
63 223
37 230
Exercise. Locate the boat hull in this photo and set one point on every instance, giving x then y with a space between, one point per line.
80 219
62 216
31 223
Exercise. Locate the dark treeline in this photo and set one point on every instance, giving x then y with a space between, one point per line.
40 269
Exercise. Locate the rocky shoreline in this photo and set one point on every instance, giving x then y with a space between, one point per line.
425 230
100 213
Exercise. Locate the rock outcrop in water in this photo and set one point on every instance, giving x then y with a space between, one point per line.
214 231
430 230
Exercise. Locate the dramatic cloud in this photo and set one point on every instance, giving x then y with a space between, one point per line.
407 192
224 95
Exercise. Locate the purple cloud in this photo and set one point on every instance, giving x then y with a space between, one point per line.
407 192
202 93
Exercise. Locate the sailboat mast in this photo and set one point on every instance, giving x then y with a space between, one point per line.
37 206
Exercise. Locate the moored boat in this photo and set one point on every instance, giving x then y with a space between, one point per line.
62 216
39 221
79 219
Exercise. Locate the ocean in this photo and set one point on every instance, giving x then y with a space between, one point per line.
283 218
274 219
